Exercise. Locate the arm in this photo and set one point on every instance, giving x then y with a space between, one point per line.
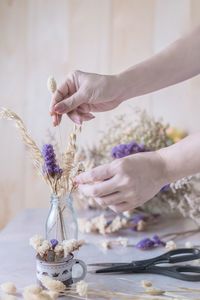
176 63
83 93
130 181
182 159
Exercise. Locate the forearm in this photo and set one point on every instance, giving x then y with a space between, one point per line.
181 159
176 63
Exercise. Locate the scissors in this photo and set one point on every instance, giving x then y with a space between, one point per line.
150 265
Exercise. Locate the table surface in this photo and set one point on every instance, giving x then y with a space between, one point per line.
18 261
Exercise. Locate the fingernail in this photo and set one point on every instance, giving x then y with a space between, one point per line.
60 108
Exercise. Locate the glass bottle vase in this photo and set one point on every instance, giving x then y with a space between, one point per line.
61 223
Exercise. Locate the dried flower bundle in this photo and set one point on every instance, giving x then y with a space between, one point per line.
104 224
125 137
59 178
53 250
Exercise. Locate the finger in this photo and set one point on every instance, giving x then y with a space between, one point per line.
97 174
56 119
59 95
79 118
121 207
99 189
108 200
69 104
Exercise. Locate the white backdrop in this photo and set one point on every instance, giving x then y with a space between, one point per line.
43 37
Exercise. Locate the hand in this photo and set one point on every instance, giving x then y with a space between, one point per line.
83 93
125 183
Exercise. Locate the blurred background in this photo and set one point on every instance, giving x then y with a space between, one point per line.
39 38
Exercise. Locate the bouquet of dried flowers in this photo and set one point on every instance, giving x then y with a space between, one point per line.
125 137
54 250
58 177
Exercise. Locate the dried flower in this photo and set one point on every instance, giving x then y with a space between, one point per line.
70 246
145 244
54 243
8 288
33 289
9 297
43 249
122 241
50 166
123 150
106 244
154 291
171 245
36 241
82 288
58 249
148 243
51 84
146 283
52 285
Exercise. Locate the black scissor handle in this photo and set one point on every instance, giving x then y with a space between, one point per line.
177 272
173 256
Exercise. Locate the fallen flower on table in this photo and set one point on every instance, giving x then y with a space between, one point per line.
109 244
52 284
8 288
171 245
82 288
147 243
146 283
189 244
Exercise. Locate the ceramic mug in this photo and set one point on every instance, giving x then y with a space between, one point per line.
61 271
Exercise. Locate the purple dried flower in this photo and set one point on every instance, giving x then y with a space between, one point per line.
158 241
50 166
165 188
137 218
145 244
123 150
54 243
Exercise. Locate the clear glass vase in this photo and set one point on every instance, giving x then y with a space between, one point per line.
61 223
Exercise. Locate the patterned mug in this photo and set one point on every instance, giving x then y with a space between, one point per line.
61 271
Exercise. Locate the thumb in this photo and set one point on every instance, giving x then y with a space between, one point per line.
69 104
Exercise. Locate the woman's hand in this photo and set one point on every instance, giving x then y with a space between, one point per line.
83 93
125 183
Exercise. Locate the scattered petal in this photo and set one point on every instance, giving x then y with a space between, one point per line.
82 288
146 283
170 245
8 288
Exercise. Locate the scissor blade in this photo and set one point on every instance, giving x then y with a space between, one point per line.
120 268
106 264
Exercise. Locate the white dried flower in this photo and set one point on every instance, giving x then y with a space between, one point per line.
58 249
154 291
146 283
116 224
36 241
106 244
33 289
42 250
51 84
100 223
189 245
52 285
8 297
8 288
72 245
170 245
53 295
123 241
82 288
141 225
127 214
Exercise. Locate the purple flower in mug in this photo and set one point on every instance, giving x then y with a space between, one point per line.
123 150
50 165
54 243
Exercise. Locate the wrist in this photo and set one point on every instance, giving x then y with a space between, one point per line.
165 174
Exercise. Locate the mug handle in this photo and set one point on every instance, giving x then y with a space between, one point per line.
84 268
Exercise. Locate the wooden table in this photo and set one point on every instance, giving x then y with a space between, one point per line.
17 261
